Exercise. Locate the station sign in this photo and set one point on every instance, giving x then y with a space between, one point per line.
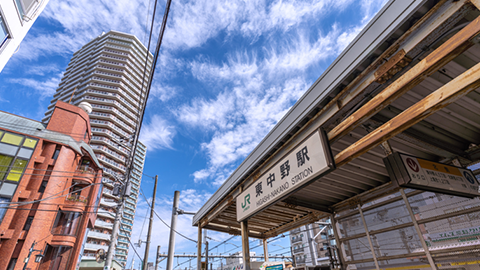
413 172
309 160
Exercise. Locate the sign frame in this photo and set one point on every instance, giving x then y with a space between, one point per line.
401 175
324 148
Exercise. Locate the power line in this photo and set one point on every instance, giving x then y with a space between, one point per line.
141 192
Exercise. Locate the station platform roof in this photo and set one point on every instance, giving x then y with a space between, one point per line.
407 83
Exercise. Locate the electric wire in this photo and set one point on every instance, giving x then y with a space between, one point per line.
155 212
131 245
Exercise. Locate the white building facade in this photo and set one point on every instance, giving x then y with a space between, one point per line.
108 73
16 18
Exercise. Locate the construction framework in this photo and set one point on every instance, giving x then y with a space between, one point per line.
408 83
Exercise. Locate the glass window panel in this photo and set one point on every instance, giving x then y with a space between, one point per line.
17 170
25 153
5 162
1 132
20 7
7 149
3 31
3 210
7 189
12 139
30 143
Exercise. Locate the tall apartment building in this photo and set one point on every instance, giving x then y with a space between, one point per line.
108 73
16 18
310 243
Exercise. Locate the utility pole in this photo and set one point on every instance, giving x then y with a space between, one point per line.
113 238
147 246
173 226
157 260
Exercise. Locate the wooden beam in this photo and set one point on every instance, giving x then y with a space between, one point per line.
476 3
445 95
453 47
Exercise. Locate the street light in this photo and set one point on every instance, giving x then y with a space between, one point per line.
38 258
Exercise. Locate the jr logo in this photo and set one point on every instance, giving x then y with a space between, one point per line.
247 200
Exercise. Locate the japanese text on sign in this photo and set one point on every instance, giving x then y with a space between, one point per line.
304 163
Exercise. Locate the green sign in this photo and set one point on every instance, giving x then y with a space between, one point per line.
274 267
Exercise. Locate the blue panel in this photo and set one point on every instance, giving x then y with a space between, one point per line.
3 210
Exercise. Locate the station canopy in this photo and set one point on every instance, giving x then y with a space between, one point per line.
408 83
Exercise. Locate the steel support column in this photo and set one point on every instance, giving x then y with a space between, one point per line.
245 245
368 237
419 232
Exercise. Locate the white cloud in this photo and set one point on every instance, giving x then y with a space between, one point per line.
44 88
157 134
254 89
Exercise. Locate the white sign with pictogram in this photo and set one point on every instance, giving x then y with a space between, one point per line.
310 159
428 175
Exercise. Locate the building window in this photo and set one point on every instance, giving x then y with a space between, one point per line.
12 263
25 8
4 35
5 162
56 153
17 170
43 186
66 223
28 223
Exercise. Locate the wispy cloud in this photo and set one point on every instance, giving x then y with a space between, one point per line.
43 88
157 134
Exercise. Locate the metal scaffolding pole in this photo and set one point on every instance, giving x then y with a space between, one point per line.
419 232
368 237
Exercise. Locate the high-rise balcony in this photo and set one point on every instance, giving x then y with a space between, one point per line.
95 247
297 239
129 212
122 240
298 250
125 228
110 203
126 222
103 224
130 206
97 235
103 213
120 246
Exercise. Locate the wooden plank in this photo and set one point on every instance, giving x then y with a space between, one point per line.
476 3
445 95
453 47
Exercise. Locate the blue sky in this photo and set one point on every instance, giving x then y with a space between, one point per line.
228 71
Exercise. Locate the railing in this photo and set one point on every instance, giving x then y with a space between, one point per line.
85 169
297 239
98 235
298 250
302 260
127 223
95 246
77 198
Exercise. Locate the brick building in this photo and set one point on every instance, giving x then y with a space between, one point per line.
49 188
